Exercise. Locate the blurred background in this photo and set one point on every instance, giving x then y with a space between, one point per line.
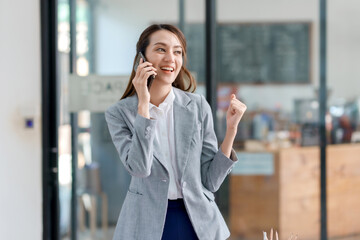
267 53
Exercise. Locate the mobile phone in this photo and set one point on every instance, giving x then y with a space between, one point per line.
137 62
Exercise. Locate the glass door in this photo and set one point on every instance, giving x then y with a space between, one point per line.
96 48
267 56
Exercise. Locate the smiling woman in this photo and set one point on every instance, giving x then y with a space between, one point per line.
165 138
165 54
172 38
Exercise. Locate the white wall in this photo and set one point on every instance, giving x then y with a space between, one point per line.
118 25
20 148
344 49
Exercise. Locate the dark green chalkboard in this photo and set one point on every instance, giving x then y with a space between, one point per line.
254 53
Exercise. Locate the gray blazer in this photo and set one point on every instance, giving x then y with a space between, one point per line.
203 168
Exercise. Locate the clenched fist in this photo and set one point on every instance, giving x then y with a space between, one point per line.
234 113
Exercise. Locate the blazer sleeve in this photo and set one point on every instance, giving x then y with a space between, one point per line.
135 147
215 166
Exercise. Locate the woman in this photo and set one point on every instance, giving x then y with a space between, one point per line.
165 138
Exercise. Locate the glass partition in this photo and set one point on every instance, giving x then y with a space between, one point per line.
106 36
268 57
343 120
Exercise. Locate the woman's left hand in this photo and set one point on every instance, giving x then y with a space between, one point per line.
234 114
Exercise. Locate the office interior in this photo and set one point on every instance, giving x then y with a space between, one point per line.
268 54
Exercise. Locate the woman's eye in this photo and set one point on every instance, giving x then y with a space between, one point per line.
178 52
161 50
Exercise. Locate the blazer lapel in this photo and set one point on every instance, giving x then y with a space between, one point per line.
159 156
183 128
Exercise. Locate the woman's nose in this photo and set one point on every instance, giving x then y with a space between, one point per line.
169 57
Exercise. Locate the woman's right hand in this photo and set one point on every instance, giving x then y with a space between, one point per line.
143 72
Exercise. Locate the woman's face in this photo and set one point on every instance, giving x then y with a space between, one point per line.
165 53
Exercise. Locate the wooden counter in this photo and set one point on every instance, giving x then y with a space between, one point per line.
289 199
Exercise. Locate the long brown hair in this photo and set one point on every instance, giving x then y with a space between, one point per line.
184 79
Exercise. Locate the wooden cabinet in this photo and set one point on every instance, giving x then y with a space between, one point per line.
289 199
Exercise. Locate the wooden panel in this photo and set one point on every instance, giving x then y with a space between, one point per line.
299 192
343 190
253 205
290 199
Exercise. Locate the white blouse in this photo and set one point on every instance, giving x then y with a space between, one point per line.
164 136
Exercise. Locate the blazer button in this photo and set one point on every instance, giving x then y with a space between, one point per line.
184 184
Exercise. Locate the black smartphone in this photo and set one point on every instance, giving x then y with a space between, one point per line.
137 62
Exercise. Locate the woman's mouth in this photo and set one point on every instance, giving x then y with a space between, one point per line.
167 69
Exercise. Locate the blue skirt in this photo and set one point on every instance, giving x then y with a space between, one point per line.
177 223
